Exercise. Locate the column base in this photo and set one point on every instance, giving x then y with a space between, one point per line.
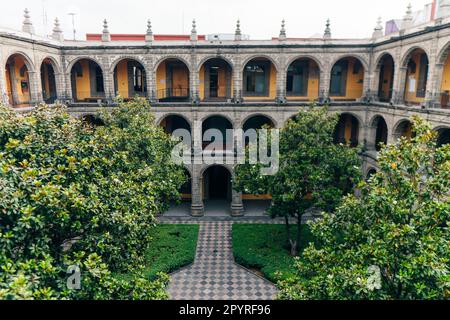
197 210
237 210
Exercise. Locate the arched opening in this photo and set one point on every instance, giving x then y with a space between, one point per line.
386 69
302 80
445 84
175 122
259 80
130 79
217 183
381 132
443 137
182 209
347 80
215 80
404 129
370 174
87 81
347 130
172 81
216 131
416 77
18 81
92 120
48 81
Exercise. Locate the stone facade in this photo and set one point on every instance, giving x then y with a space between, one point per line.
433 39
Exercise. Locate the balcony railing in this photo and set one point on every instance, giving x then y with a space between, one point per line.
173 95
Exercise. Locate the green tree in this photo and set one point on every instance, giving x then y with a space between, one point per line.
71 194
314 173
393 241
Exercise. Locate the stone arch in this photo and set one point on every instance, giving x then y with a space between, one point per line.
86 85
348 74
133 73
384 76
49 83
211 125
301 57
221 189
260 56
172 122
21 82
348 129
171 57
402 128
84 57
55 64
407 55
443 135
166 115
302 78
211 57
215 75
223 115
114 64
379 132
259 114
27 60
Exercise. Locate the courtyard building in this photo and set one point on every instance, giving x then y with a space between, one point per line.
201 82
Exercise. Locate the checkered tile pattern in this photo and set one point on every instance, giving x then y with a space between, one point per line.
214 274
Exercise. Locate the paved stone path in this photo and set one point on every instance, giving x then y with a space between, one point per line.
214 274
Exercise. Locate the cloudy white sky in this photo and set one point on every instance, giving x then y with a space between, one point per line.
259 18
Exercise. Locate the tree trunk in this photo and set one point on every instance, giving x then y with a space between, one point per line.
299 229
291 241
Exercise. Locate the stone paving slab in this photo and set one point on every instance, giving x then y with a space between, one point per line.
214 275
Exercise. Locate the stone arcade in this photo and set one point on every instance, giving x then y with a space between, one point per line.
375 84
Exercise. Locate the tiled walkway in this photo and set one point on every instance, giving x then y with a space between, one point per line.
214 274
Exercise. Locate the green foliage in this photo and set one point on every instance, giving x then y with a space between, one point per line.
392 242
72 194
263 247
314 172
171 248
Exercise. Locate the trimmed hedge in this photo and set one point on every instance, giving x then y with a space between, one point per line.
264 247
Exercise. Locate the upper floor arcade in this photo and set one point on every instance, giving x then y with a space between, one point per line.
411 69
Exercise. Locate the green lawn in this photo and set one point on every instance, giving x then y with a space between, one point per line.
172 247
264 247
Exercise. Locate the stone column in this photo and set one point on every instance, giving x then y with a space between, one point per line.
324 84
197 207
367 92
237 80
370 137
35 88
281 84
3 86
60 90
150 81
69 95
194 80
12 74
237 206
108 79
436 85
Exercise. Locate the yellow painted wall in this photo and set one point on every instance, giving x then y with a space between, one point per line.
161 80
222 93
355 83
256 197
83 83
122 79
446 76
180 80
272 87
412 96
22 94
313 84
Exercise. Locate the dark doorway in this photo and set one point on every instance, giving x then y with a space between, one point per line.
217 183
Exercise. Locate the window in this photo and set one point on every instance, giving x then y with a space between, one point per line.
297 78
138 79
256 77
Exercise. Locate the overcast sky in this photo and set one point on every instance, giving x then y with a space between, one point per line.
260 19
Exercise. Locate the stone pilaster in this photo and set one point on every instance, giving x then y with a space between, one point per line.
237 80
324 83
197 207
35 88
